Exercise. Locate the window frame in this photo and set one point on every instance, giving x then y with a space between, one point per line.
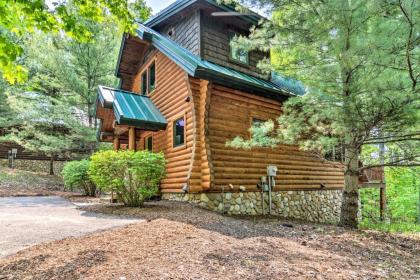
251 122
231 35
143 90
146 143
184 144
152 63
146 73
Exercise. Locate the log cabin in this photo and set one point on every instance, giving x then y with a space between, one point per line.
185 91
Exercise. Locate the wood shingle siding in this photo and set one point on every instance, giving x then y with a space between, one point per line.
186 31
215 46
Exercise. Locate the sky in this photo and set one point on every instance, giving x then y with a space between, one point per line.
158 5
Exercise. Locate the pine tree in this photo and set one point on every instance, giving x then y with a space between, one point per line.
359 62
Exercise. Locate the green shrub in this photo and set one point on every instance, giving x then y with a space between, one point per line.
75 175
133 176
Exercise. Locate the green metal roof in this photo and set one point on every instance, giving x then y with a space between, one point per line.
132 109
179 5
197 67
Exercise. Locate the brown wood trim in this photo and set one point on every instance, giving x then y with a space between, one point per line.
195 129
205 92
177 117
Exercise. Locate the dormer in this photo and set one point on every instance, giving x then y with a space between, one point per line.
206 28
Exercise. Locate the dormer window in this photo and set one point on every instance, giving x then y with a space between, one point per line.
237 53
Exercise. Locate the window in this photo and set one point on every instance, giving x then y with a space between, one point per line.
152 77
179 131
148 143
257 122
144 83
237 53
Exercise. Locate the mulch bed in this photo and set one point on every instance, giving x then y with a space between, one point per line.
180 241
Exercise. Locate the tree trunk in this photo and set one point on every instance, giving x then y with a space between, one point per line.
350 205
52 165
90 117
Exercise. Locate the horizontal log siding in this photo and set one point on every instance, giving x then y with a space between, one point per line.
201 175
230 115
170 98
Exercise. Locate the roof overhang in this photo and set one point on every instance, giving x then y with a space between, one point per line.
178 6
131 109
199 68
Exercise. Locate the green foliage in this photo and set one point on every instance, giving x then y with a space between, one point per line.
19 18
75 175
358 61
45 125
403 191
133 176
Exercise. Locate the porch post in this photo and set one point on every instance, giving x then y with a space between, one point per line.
116 143
132 138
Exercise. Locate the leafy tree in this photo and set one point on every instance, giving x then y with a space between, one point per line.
21 17
44 125
71 69
359 61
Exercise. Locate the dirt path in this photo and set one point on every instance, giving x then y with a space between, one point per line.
179 241
25 221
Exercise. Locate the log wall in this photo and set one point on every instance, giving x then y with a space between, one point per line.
230 115
214 115
171 97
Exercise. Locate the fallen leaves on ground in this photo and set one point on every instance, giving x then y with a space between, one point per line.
180 241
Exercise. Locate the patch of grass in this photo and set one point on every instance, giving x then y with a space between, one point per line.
15 177
401 227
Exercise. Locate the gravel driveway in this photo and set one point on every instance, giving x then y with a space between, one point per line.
25 221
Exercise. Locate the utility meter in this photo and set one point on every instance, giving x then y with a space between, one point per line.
272 170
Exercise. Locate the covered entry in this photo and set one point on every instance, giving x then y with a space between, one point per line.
123 115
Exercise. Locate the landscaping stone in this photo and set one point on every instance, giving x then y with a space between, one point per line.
315 206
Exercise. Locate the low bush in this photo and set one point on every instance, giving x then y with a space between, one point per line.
132 176
75 175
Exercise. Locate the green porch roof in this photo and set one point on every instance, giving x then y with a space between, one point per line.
279 88
132 109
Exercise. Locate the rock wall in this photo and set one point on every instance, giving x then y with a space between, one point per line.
35 165
313 206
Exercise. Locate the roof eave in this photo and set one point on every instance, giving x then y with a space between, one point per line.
175 8
186 66
117 69
239 84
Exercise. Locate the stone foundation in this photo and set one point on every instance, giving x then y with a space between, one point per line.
35 165
313 206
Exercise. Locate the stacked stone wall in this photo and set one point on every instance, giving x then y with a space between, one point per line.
313 206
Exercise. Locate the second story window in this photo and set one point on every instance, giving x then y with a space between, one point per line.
152 77
237 53
144 83
148 80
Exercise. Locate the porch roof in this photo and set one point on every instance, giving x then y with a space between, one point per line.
131 109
